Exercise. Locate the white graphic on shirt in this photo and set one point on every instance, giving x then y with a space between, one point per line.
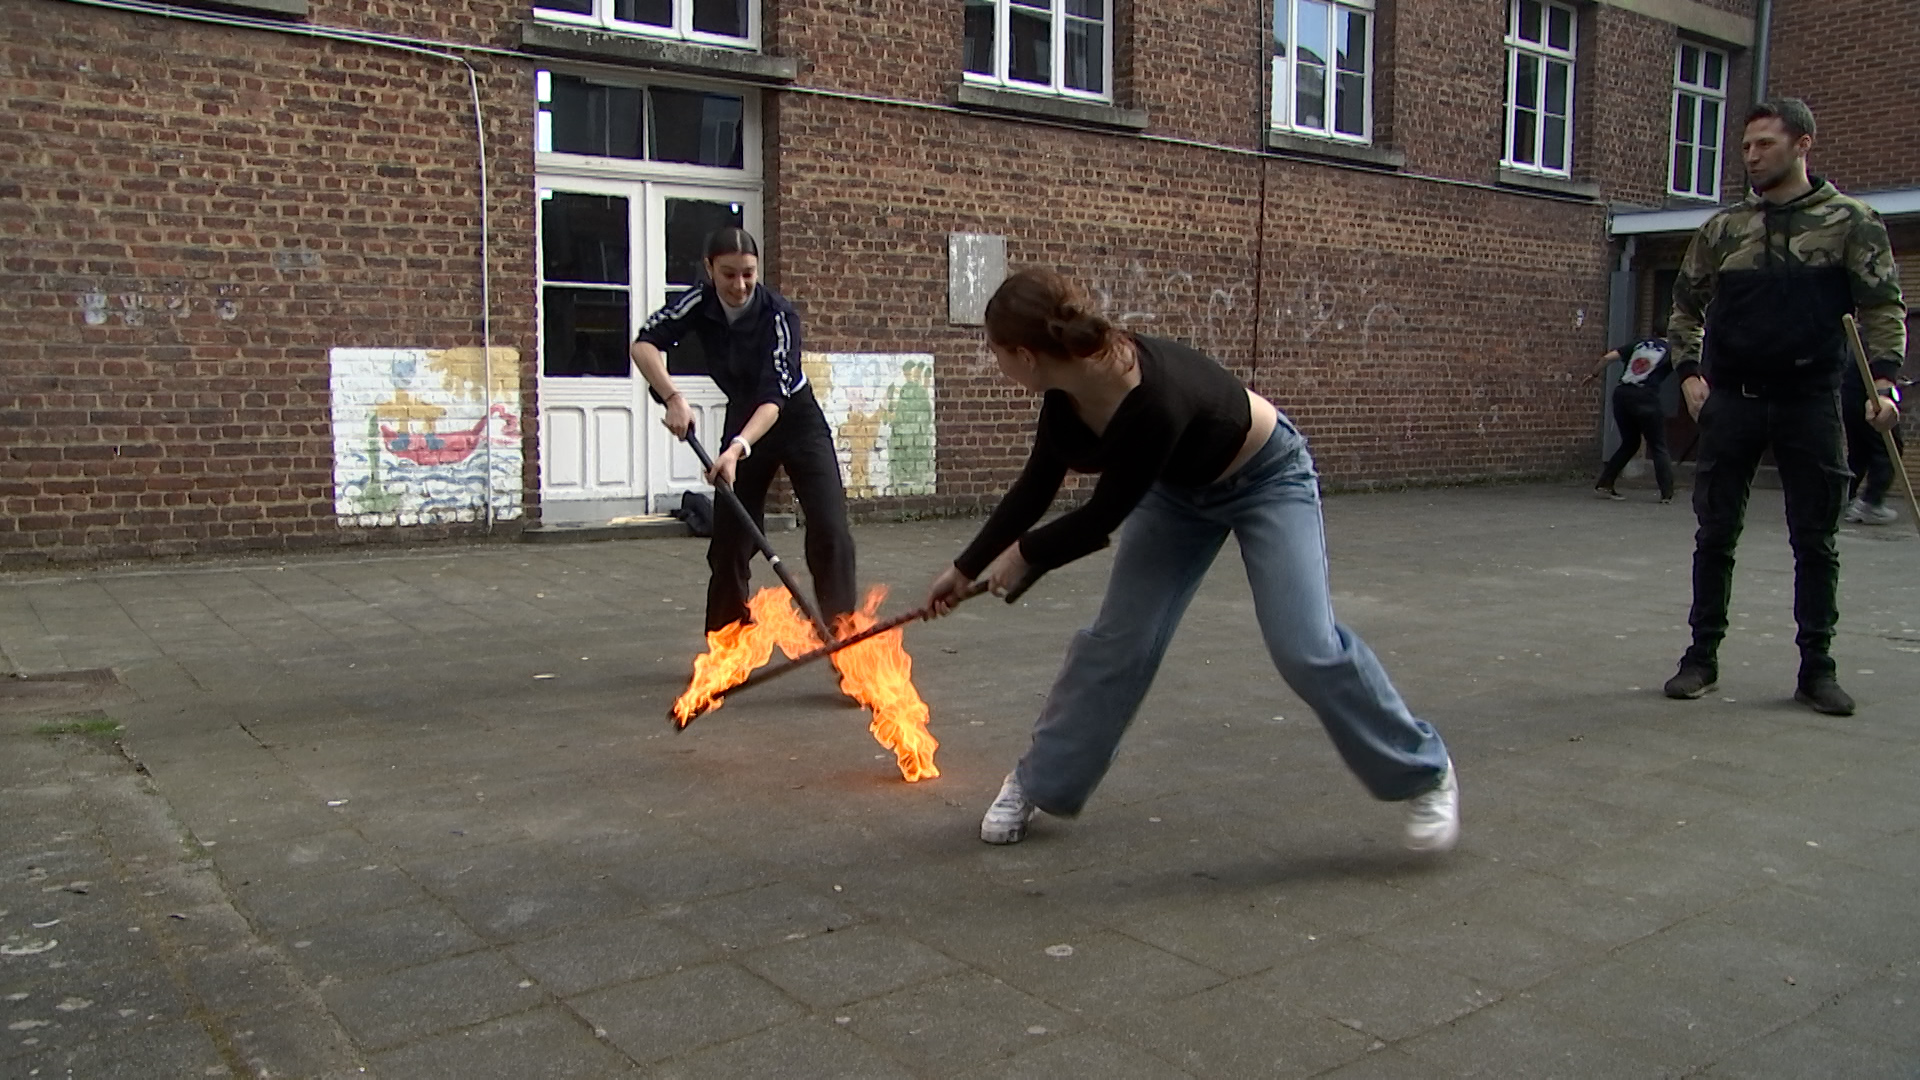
1647 356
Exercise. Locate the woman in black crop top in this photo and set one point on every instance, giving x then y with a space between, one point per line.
1186 456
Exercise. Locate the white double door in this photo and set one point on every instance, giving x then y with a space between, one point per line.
612 252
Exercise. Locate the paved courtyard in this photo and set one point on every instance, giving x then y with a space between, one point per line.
417 814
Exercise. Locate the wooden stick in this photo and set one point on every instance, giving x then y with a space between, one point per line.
1893 448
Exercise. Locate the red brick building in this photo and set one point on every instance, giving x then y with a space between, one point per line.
286 273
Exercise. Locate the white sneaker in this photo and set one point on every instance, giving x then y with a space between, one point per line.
1433 818
1006 820
1865 513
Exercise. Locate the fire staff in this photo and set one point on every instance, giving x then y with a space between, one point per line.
1186 455
751 337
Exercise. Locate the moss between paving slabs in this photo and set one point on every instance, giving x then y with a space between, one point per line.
87 725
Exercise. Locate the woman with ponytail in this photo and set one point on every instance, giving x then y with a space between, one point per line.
1186 455
751 337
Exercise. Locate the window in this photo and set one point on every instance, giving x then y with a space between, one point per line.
1540 86
709 22
638 123
1699 111
1060 47
1322 68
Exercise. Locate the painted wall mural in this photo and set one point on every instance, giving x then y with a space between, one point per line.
425 435
881 408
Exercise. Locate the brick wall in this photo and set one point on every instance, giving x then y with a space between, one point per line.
1854 65
192 217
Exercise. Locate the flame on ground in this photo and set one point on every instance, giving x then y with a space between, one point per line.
878 673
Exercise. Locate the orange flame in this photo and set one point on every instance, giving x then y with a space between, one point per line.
878 673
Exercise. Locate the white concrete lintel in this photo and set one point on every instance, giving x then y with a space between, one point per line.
1896 203
1694 17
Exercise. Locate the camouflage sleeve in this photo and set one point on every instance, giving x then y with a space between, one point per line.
1692 290
1877 302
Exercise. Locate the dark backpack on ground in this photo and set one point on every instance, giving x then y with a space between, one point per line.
696 510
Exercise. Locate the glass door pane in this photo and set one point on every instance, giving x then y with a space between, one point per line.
586 284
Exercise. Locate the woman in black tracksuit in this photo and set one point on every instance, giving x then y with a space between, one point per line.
751 336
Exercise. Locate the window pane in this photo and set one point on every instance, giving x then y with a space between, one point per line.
1682 167
1716 71
1708 183
1689 64
1350 104
1525 131
1282 10
1352 41
1030 52
1310 100
725 17
1683 119
979 48
584 332
1526 81
651 12
1559 28
1312 33
1557 87
1553 143
1087 9
583 237
1086 59
1530 20
1709 123
592 118
696 128
572 7
1279 118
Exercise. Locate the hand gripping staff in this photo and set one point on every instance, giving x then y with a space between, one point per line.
777 670
725 491
1893 448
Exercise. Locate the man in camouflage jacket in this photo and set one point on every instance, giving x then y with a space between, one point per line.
1759 349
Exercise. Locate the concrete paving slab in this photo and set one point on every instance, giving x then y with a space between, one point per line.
386 1011
762 894
675 1014
544 1042
808 1049
1234 1031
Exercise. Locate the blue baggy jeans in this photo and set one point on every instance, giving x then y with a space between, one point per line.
1271 504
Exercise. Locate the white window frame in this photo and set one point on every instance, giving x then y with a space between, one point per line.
1282 116
750 171
1057 10
1547 56
1694 94
681 30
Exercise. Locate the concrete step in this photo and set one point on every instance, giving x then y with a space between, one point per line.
629 527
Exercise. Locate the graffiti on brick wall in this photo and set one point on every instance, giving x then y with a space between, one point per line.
425 435
880 406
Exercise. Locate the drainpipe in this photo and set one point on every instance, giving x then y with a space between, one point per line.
1762 30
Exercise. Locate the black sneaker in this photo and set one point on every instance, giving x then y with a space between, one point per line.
1691 681
1608 493
1822 694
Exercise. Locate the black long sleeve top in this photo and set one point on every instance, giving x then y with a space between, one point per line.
1183 425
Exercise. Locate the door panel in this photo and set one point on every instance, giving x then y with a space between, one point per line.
590 399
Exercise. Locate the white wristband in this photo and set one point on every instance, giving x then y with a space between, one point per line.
746 448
